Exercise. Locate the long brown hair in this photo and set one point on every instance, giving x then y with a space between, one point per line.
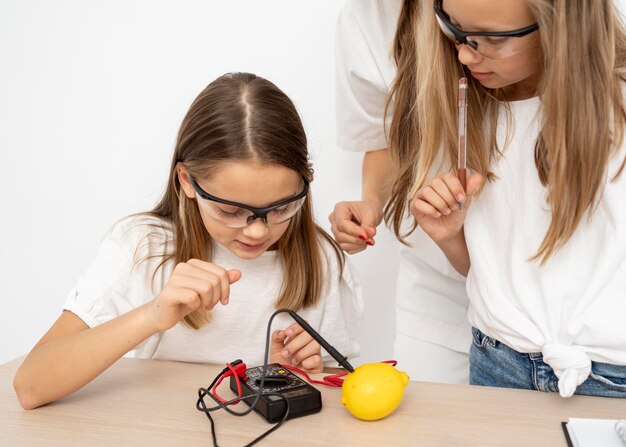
583 114
241 116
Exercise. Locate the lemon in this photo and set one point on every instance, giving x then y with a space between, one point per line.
373 390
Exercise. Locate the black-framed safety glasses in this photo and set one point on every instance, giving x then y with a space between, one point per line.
237 215
489 44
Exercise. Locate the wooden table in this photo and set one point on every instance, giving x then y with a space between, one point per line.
152 403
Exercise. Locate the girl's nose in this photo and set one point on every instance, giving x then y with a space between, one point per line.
467 55
257 229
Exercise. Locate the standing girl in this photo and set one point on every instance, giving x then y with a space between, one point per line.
544 244
197 278
375 56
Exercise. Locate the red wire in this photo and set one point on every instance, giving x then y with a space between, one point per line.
232 372
334 380
326 380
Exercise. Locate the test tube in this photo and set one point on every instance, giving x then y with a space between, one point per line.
462 143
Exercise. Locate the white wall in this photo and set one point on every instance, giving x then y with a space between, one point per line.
91 96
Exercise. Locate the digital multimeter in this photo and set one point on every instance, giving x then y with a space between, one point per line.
303 398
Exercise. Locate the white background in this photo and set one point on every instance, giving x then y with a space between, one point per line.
91 97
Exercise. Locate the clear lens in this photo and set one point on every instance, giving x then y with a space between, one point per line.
236 217
498 47
285 212
491 47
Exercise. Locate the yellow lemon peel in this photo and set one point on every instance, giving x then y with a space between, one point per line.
373 390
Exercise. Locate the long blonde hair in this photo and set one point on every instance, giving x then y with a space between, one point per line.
583 113
241 116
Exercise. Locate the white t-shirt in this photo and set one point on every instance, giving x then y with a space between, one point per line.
116 283
431 300
574 307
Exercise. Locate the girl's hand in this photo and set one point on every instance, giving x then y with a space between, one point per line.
353 224
296 347
436 205
193 284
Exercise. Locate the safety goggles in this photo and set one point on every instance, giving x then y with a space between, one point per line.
238 215
492 45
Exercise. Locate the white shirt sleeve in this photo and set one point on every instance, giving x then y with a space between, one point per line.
364 72
117 281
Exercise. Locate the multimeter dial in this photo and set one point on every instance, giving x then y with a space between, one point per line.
277 379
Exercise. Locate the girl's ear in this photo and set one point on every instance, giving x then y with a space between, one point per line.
185 181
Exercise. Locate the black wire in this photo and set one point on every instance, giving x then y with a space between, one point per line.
341 359
200 403
202 392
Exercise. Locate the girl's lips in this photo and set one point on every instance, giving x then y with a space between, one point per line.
479 75
250 246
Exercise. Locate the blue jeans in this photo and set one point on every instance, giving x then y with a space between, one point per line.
493 363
